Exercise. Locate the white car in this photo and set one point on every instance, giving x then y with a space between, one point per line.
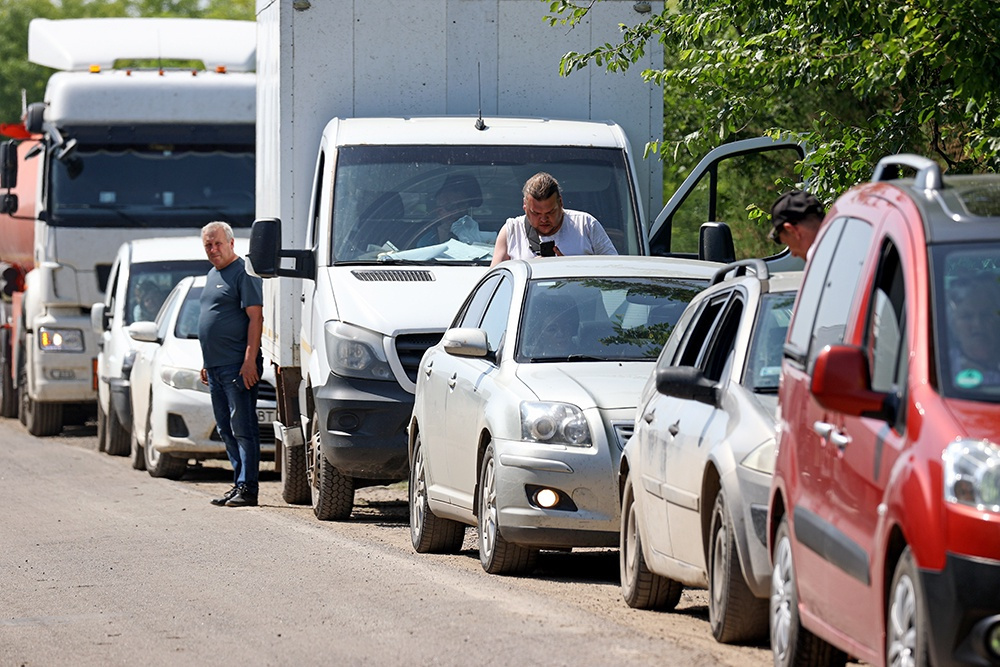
142 274
172 412
522 410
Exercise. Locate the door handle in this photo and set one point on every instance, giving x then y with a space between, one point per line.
453 380
674 428
649 416
428 368
840 439
823 429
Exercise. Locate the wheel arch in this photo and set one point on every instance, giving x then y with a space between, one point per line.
485 438
711 485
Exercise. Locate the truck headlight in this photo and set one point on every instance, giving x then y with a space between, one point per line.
183 378
554 424
972 474
60 340
356 352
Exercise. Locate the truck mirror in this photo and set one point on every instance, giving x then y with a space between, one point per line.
8 204
715 242
265 247
35 117
8 166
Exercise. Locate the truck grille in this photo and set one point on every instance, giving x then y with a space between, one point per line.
411 347
395 276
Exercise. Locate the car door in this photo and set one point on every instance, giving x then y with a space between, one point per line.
465 405
697 426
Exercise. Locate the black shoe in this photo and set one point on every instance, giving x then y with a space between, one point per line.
242 498
225 496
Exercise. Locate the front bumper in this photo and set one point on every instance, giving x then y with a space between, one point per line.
962 602
584 475
750 524
362 427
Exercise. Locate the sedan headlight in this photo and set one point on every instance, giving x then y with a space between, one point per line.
183 378
972 474
554 424
60 340
761 458
356 352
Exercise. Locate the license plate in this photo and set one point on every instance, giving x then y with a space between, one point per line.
265 416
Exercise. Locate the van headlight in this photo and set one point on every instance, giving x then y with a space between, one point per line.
972 474
554 424
356 352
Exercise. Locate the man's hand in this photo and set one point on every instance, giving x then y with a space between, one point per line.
248 371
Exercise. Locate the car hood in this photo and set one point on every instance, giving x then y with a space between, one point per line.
608 385
977 420
417 297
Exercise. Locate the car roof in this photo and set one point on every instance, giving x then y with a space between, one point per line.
583 266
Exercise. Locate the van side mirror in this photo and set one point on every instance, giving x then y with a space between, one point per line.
266 254
8 165
715 242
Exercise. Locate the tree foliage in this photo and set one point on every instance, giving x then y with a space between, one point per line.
15 15
855 79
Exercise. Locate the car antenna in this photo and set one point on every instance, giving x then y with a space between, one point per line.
480 124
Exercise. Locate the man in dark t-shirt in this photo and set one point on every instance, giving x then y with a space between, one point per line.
229 331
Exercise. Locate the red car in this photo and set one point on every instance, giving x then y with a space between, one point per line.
884 512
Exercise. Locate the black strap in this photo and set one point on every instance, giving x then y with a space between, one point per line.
534 242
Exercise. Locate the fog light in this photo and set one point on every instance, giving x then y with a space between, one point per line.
547 498
348 421
993 640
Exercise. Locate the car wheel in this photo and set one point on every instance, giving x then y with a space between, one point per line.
735 614
641 588
118 438
429 533
294 476
8 394
906 619
791 644
160 464
332 492
138 451
102 428
497 555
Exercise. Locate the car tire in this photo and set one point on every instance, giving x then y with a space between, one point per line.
8 394
641 588
734 612
137 452
792 644
497 555
294 476
906 623
429 533
119 441
160 464
331 491
102 428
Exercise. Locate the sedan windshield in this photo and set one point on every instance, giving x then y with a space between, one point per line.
967 320
598 319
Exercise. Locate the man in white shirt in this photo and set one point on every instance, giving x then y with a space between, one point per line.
547 229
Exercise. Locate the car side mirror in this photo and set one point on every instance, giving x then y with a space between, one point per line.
144 332
465 342
688 383
841 382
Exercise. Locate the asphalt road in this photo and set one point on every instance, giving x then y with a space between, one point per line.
104 565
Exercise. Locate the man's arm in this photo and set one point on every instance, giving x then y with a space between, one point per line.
500 247
249 369
600 241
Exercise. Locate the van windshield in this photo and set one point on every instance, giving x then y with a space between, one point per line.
430 204
153 186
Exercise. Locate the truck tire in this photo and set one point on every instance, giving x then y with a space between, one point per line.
118 437
331 491
41 419
8 395
294 476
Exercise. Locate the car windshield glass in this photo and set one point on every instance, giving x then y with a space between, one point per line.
967 320
187 319
153 186
764 358
151 282
429 204
587 319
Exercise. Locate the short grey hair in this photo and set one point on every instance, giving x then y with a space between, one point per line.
216 225
541 186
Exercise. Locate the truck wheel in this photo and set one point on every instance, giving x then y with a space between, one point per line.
429 533
118 438
791 644
102 428
735 614
41 419
497 555
294 477
8 395
332 492
160 464
641 588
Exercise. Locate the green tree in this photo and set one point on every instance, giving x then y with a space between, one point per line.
856 80
15 15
